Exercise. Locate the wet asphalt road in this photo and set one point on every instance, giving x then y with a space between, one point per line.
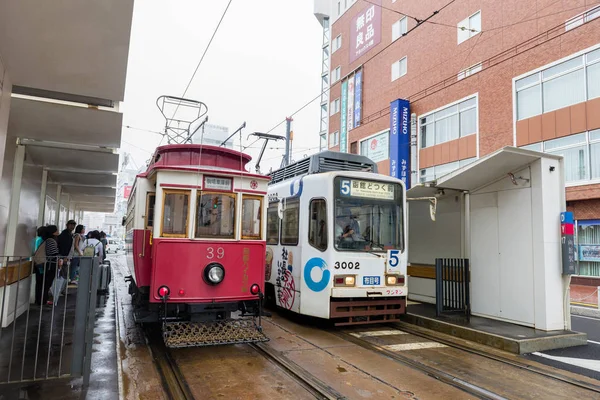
589 325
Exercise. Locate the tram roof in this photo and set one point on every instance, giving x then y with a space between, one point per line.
325 161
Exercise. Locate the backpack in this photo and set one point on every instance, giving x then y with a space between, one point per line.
40 254
89 250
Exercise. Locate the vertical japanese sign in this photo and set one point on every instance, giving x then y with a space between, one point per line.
344 118
357 97
350 103
126 192
567 232
400 140
365 30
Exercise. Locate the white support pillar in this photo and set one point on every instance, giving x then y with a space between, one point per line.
15 198
58 196
68 207
42 209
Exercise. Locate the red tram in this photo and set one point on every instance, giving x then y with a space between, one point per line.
196 245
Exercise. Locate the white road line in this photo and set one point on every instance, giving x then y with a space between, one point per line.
413 346
377 333
591 341
593 365
581 316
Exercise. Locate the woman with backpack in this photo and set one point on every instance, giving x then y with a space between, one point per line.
92 247
46 260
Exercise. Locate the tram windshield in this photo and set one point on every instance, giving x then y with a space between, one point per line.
368 215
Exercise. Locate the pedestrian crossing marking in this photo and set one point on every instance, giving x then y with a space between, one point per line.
377 333
413 346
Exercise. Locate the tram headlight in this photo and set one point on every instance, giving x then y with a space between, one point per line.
394 280
214 273
344 280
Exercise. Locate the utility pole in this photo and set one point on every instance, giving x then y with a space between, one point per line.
288 142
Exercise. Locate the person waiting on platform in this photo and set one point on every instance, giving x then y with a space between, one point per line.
78 247
47 260
92 247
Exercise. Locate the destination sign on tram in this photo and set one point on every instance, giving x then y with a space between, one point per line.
374 190
217 183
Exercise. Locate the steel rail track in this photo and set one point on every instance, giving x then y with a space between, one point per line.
316 387
173 380
516 364
435 373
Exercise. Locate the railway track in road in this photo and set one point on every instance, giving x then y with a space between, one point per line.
523 366
173 381
313 385
438 374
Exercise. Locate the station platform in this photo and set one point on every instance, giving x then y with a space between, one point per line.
54 357
493 333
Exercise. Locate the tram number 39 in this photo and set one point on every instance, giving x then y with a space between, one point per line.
347 265
211 253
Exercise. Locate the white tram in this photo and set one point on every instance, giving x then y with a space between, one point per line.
336 246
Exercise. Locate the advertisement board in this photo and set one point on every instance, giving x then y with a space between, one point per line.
377 148
589 252
344 118
126 192
350 103
357 97
365 30
400 140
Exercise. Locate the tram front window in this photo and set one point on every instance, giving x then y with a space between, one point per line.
368 215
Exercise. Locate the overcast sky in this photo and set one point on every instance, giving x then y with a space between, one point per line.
263 65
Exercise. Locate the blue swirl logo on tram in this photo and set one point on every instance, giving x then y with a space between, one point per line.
316 262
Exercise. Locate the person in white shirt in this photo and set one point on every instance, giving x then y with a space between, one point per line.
93 240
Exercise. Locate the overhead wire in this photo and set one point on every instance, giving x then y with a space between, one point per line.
421 22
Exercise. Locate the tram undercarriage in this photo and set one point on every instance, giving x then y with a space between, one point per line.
200 324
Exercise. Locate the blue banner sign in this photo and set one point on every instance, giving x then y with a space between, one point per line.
400 140
589 252
343 118
357 97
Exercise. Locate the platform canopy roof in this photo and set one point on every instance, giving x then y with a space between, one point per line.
67 62
481 172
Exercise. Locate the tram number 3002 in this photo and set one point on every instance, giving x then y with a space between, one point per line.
347 265
212 253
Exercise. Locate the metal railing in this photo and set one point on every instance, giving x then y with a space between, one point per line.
452 284
46 325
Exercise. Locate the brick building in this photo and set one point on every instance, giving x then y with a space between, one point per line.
476 76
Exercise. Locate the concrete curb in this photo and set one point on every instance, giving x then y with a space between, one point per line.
585 311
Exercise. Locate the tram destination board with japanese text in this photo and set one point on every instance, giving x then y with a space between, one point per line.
374 190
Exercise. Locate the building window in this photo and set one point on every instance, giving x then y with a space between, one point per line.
339 8
399 68
175 213
317 227
251 217
336 44
582 18
399 28
150 202
215 216
334 139
290 224
354 148
469 71
336 74
588 244
450 123
272 224
335 107
580 152
433 173
569 82
469 27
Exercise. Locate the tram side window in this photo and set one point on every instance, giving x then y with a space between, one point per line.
272 224
175 213
290 225
317 227
151 200
251 217
215 216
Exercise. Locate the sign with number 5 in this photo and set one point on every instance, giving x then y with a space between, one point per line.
393 258
345 188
